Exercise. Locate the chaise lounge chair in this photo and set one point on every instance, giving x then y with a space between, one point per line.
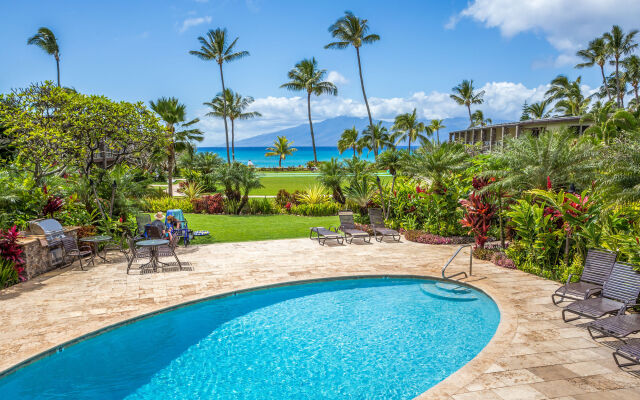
619 293
379 228
629 352
322 234
618 326
348 226
597 268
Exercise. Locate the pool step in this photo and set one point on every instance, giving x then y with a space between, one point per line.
448 291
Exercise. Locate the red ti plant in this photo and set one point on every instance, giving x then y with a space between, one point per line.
10 250
478 212
54 204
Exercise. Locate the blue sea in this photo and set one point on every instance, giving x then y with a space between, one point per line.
298 158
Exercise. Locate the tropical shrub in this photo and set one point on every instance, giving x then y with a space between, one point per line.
263 206
150 204
478 212
314 195
315 210
429 238
213 204
8 274
10 257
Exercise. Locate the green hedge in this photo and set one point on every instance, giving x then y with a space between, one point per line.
150 204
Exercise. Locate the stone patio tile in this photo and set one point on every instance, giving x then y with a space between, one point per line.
553 372
588 368
520 392
480 395
621 394
557 388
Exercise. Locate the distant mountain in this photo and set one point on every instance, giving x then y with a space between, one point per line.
328 132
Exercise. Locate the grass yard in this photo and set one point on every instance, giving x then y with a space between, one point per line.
234 228
272 184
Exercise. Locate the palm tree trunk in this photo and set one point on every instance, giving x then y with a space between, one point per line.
313 140
172 155
604 82
364 94
635 89
280 162
58 68
354 148
224 113
233 147
469 110
409 144
618 82
438 135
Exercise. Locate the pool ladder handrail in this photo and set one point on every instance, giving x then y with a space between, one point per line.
454 256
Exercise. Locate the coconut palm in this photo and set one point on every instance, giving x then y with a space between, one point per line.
351 30
174 114
538 110
349 140
597 53
631 74
408 127
281 149
376 137
464 94
236 106
332 175
479 120
436 125
570 100
46 40
619 44
214 46
306 76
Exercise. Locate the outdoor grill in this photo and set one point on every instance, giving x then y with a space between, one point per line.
53 234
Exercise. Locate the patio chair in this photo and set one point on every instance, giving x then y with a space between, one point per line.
348 226
597 268
135 254
618 326
153 232
619 293
628 351
182 230
379 229
142 220
169 250
322 234
72 250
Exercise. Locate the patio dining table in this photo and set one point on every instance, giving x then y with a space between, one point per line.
153 245
95 242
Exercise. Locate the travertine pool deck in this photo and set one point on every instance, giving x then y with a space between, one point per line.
534 355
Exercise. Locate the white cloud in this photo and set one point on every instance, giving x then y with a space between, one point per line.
566 24
191 22
337 78
502 101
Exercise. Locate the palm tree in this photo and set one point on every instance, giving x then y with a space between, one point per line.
281 148
348 140
236 106
331 176
408 128
538 110
215 47
597 53
619 44
436 162
464 95
478 119
351 30
570 100
607 123
306 76
376 137
436 125
173 114
631 74
46 40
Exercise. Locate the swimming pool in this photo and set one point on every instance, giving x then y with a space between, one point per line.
373 338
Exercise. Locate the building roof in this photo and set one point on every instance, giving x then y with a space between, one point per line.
529 122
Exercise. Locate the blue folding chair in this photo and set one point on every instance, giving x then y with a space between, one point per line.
182 230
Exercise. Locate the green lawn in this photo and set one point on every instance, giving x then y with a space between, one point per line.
272 184
232 228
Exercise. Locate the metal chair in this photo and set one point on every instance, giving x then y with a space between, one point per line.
72 250
142 220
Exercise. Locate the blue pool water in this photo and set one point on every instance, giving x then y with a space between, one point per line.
357 338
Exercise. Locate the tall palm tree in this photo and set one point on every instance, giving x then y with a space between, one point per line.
569 96
348 140
236 106
619 44
464 94
216 47
376 137
538 110
436 125
409 128
479 120
174 114
46 40
281 149
306 76
631 74
597 53
351 30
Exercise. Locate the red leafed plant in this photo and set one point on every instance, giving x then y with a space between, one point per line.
209 204
54 204
11 251
478 213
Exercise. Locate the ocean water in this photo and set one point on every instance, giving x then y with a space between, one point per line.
346 339
298 158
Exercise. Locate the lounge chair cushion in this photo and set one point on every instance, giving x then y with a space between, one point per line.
595 307
578 289
386 231
354 232
618 326
322 231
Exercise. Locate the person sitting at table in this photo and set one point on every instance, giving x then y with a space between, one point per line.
160 225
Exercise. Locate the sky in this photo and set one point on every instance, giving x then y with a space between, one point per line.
138 50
